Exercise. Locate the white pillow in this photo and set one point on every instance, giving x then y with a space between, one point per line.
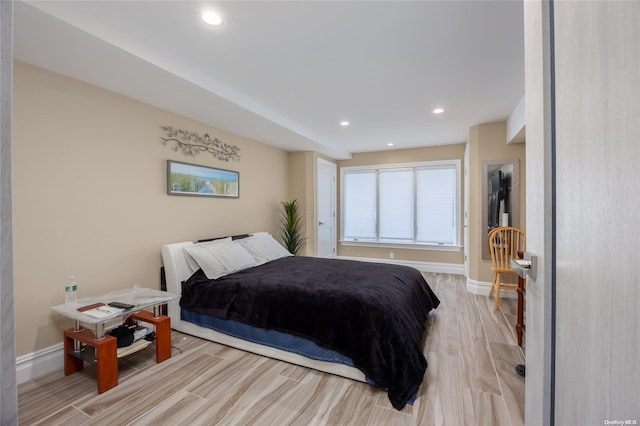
217 260
193 265
263 248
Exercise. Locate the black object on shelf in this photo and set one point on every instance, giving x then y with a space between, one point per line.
123 334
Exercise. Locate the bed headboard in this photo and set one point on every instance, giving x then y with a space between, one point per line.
233 237
176 268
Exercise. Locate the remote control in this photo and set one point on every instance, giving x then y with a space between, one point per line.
121 305
88 307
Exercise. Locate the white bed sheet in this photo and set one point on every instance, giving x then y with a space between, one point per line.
177 270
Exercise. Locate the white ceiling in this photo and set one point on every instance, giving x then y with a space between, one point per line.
287 72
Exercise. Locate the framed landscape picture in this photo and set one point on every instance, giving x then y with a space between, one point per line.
201 181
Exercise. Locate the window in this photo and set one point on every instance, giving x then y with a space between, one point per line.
413 204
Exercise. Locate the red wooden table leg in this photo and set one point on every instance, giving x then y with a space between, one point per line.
72 364
163 333
106 356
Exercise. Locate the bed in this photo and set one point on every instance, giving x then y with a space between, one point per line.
364 321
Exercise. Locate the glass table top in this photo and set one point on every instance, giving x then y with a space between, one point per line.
141 298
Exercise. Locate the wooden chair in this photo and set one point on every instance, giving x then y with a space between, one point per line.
504 243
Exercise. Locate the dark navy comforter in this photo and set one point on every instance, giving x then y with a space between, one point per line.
371 312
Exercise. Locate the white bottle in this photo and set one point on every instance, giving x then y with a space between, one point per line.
71 292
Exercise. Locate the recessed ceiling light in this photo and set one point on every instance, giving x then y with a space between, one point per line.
344 123
211 18
438 111
390 144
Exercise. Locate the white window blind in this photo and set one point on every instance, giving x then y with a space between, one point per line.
360 208
436 189
401 204
396 204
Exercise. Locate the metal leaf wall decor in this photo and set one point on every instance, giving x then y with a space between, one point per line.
192 144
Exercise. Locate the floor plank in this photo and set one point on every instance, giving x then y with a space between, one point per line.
495 325
476 365
67 416
441 392
175 408
511 383
483 409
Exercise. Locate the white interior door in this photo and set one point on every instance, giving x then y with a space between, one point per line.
325 208
595 228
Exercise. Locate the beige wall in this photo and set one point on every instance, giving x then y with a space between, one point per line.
444 152
302 187
487 142
90 195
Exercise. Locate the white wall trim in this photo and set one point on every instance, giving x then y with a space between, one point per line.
482 288
39 363
478 287
443 268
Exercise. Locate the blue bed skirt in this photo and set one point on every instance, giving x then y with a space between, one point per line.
271 338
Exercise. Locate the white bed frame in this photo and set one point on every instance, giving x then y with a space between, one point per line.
177 270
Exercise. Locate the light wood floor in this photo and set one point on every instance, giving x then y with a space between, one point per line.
470 348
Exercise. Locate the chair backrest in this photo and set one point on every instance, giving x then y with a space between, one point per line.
504 243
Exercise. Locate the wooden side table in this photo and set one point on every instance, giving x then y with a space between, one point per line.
104 351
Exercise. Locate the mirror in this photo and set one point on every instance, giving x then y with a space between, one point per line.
500 197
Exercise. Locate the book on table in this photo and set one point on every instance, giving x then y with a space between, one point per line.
100 311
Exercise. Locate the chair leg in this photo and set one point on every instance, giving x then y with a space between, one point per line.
497 302
493 286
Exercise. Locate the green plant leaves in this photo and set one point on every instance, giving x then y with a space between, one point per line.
291 226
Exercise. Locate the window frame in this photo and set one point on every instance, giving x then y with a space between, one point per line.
413 245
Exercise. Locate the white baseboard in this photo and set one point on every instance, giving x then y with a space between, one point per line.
39 363
482 288
442 268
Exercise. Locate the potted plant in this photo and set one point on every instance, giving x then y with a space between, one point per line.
291 226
